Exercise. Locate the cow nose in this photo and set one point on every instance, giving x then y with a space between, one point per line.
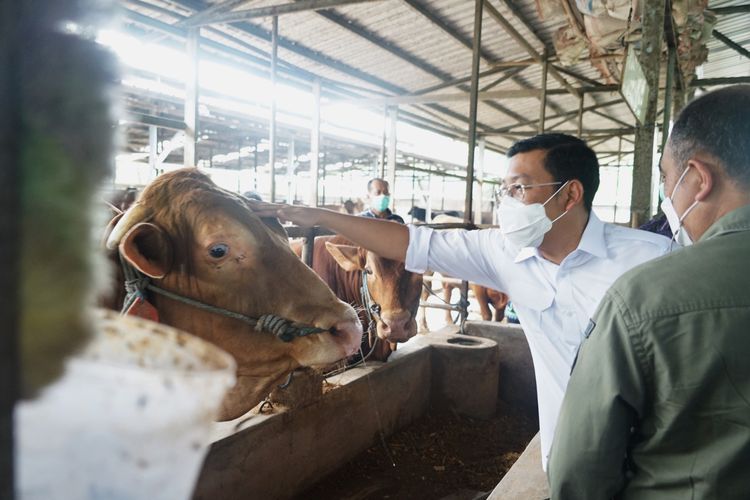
395 325
348 335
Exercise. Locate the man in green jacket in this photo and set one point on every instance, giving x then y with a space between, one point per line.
658 405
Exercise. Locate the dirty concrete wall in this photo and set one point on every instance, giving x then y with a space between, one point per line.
283 455
517 386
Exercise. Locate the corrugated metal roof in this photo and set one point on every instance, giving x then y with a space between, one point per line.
391 47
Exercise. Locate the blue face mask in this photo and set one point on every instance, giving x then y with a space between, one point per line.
380 202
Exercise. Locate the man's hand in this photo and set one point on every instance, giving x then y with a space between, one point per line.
385 238
300 215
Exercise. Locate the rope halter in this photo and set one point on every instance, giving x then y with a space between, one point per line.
137 283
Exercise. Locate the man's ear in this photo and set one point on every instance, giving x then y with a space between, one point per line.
575 194
347 256
147 248
706 179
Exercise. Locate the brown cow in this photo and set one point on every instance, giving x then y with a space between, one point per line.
202 242
394 291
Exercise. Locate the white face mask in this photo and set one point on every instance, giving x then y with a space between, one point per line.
525 225
679 234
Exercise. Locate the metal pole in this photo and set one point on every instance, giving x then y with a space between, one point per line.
191 99
323 172
290 178
272 125
473 103
543 96
480 180
653 32
10 233
315 142
392 146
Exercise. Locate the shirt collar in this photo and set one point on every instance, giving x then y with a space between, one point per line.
592 241
735 221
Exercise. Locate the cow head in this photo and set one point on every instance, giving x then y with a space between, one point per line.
394 289
202 242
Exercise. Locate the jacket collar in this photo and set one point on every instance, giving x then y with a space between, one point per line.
736 221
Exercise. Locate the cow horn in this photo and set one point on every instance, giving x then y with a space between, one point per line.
135 214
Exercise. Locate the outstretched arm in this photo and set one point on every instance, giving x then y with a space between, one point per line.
385 238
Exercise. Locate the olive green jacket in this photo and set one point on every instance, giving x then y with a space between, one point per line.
658 405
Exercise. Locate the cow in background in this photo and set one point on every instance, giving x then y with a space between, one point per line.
193 239
393 291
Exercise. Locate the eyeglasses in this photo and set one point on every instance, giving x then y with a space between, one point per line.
518 191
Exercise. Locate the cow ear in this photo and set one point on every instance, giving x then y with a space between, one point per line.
347 256
147 248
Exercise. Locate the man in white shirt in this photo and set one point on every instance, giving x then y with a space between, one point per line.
551 255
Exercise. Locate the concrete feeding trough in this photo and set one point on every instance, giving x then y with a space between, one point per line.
280 454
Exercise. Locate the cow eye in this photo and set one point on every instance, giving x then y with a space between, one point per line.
368 270
218 251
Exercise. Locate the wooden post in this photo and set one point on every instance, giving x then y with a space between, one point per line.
581 101
653 33
190 156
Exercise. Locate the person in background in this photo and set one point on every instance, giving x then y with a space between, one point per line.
658 404
379 197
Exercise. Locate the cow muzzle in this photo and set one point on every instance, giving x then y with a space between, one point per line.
397 326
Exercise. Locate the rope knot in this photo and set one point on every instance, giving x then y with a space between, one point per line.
284 329
137 286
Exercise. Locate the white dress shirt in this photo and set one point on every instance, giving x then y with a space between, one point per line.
553 302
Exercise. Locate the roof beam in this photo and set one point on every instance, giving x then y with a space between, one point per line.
735 9
273 10
730 43
206 13
483 96
465 79
497 16
709 82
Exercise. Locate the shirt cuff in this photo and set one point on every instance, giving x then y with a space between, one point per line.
418 250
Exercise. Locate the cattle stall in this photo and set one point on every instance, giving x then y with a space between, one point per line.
407 62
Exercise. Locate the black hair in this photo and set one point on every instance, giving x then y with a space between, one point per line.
369 183
567 158
717 123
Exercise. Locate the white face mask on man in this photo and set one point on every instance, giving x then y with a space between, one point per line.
679 234
525 225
